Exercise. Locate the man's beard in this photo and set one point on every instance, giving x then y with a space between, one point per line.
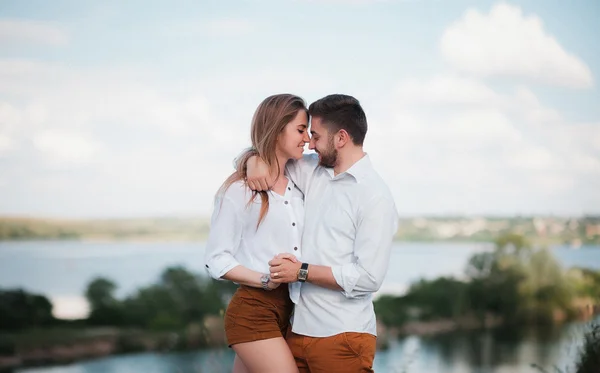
329 158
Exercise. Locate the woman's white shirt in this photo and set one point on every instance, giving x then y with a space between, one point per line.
235 239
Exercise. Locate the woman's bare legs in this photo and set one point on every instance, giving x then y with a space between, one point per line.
238 365
266 356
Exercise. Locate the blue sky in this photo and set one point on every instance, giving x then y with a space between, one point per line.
475 107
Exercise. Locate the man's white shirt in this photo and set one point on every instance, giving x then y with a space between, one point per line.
350 221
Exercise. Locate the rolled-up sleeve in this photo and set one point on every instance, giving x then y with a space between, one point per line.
224 238
372 248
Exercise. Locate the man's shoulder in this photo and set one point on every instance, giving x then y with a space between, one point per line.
375 183
375 190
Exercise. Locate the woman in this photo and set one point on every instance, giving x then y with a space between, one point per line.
248 229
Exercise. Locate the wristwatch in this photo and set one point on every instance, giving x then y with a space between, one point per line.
303 272
264 280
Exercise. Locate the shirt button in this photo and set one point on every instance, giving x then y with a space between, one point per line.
289 188
206 265
295 248
293 224
286 202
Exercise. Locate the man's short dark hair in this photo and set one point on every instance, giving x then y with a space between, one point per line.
341 112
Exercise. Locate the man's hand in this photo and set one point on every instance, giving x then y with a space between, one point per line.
284 268
258 174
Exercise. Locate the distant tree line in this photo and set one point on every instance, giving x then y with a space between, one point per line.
176 300
515 282
20 309
20 229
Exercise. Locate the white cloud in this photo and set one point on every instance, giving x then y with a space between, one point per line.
460 92
480 150
156 138
124 136
10 117
507 43
533 157
480 127
19 67
446 90
15 31
55 96
22 78
6 144
65 148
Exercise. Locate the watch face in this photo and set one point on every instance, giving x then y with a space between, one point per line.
303 273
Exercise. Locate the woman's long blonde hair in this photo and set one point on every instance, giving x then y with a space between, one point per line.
269 120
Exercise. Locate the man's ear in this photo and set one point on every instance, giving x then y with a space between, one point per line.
343 138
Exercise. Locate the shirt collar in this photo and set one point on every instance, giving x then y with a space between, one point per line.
358 170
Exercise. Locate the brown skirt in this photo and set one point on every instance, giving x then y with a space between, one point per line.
254 314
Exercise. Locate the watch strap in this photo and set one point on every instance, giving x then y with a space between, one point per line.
303 272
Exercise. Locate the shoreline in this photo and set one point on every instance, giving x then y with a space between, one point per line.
202 239
116 342
540 229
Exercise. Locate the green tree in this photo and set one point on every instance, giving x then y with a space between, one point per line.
440 298
105 309
392 310
20 310
545 289
495 277
100 293
588 360
178 299
518 282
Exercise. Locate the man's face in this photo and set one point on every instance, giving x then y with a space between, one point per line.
322 143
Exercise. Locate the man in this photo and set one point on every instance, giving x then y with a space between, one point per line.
350 221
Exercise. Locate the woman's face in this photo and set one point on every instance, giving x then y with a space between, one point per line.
291 141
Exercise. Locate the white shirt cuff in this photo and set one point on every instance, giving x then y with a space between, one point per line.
219 266
346 277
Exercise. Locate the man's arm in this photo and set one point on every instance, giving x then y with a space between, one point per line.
284 269
372 248
299 171
264 181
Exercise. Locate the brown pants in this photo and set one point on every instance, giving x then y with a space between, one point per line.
340 353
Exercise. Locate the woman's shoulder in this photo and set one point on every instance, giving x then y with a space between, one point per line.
238 191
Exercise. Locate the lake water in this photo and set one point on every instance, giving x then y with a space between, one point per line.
61 270
500 351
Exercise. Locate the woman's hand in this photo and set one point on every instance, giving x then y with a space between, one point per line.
272 285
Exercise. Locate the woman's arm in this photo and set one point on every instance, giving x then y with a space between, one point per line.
248 277
224 241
